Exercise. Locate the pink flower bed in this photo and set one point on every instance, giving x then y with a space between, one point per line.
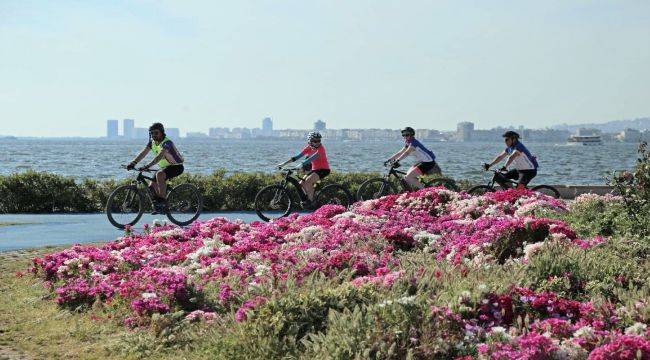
166 269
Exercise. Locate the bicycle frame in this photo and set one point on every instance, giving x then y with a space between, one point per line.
289 177
140 179
499 175
399 175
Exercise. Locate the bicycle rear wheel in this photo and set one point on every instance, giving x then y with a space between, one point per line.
334 194
375 188
125 206
480 190
272 202
547 190
184 204
448 184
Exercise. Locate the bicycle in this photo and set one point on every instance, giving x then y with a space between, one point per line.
381 186
274 201
126 203
498 175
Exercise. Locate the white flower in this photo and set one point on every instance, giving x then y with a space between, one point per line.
585 331
636 329
149 295
500 333
531 249
261 269
406 300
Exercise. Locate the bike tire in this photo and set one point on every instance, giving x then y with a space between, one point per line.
272 200
128 193
448 184
375 188
480 190
547 190
184 199
334 194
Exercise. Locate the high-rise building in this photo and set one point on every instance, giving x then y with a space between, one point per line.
218 132
111 129
128 126
320 125
267 126
464 131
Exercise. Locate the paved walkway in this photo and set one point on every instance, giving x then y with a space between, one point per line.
66 229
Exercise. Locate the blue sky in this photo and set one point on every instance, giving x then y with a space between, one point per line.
67 66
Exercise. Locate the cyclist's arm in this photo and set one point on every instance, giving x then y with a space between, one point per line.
292 159
309 159
405 152
512 157
156 159
498 158
141 155
397 154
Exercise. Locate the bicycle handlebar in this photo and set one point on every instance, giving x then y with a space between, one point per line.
140 170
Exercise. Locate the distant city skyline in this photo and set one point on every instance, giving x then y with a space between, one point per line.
636 130
361 64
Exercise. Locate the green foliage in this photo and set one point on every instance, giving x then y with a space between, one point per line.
40 192
634 187
599 216
603 271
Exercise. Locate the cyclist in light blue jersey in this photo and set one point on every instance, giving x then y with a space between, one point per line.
426 159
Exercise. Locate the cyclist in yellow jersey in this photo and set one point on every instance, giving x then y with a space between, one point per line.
167 156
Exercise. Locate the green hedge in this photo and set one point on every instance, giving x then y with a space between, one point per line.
40 192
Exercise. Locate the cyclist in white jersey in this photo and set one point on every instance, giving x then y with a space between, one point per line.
525 164
426 159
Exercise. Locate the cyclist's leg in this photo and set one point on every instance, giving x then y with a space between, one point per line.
525 176
170 172
161 184
510 175
411 177
308 184
435 170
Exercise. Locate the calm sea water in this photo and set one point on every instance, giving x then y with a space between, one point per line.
100 159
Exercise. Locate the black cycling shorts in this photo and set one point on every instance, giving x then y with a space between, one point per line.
320 172
522 176
428 167
173 171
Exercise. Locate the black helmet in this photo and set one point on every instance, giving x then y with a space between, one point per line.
408 131
510 134
157 126
314 135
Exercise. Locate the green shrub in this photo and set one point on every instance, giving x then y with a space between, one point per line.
634 187
602 271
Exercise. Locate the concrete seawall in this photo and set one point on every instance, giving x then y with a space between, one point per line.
572 191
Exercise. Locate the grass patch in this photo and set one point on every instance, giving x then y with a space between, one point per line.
13 223
31 325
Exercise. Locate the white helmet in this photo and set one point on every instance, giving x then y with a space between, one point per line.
314 135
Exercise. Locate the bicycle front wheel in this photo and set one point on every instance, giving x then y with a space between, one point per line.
480 190
334 194
547 190
125 206
272 202
184 204
374 189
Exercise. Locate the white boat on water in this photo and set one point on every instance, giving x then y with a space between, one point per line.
584 140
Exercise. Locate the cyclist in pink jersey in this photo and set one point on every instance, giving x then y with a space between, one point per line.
316 156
